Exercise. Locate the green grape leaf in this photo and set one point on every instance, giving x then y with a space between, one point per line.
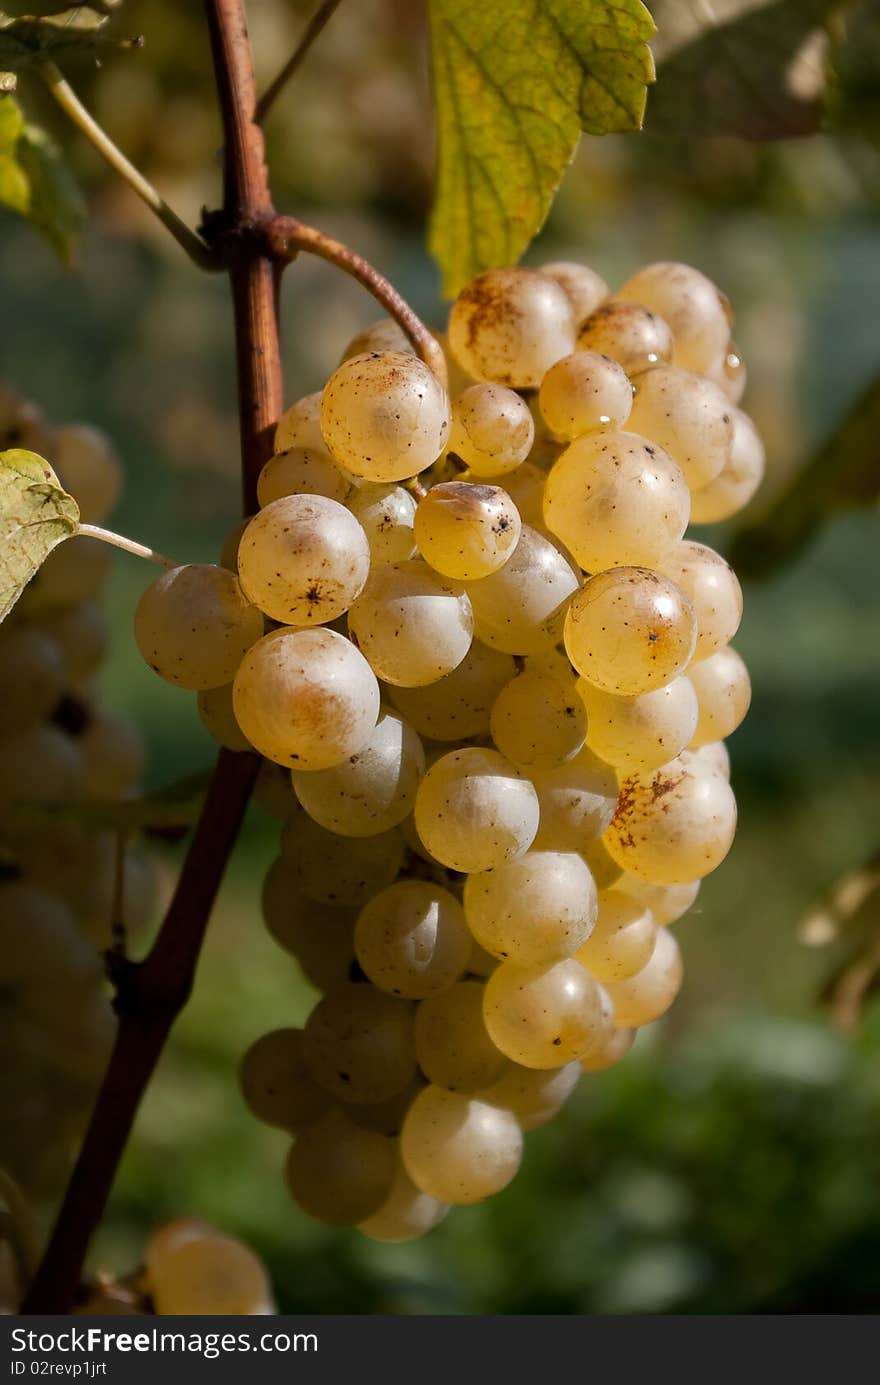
515 83
174 805
36 182
760 76
844 473
36 514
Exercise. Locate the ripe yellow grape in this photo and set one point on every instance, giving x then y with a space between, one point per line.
88 467
615 499
674 824
584 288
525 486
466 531
542 1015
385 415
194 624
731 374
724 692
583 392
386 1117
358 1044
34 677
736 483
606 871
339 1172
319 935
538 721
300 425
276 1085
211 1275
689 416
520 608
534 909
406 1213
629 630
623 939
697 312
40 765
533 1095
510 325
648 994
412 940
301 471
217 715
386 514
273 791
715 755
344 871
372 790
305 698
384 335
492 429
412 625
612 1048
459 1149
667 903
458 705
453 1047
576 801
640 732
713 589
113 755
633 336
474 810
303 559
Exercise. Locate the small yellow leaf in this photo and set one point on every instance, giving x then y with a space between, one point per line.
36 514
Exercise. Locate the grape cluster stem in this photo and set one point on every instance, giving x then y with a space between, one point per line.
152 993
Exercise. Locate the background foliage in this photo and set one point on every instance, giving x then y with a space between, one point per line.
731 1163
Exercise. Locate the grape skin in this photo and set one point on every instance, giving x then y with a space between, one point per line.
194 624
406 1213
697 313
303 559
474 810
276 1085
689 416
413 625
646 995
584 392
453 1047
724 692
629 630
358 1044
510 325
387 516
538 721
534 909
492 429
583 287
301 471
339 1172
466 531
640 732
673 825
412 940
623 939
533 1095
713 589
343 871
373 789
576 801
736 483
543 1015
458 1149
520 609
633 336
384 416
458 705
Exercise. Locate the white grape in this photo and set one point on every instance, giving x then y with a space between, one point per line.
194 624
113 755
533 1095
306 698
492 429
584 288
629 630
615 499
667 903
412 625
466 531
386 514
385 416
474 810
521 608
724 692
34 677
453 1047
406 1213
210 1274
303 559
320 936
674 824
458 705
534 909
276 1085
217 715
577 802
640 732
630 333
88 467
412 940
609 1051
301 471
538 721
458 1149
689 416
40 765
510 325
340 1172
373 789
583 392
731 374
738 480
81 632
697 312
525 486
300 425
623 939
339 870
384 335
542 1015
358 1044
712 587
648 994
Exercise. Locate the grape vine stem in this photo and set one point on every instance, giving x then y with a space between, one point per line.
151 994
67 99
286 237
313 29
137 550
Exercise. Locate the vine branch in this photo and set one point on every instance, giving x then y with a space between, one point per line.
314 27
151 994
97 136
286 237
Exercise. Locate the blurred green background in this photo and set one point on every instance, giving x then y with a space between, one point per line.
732 1163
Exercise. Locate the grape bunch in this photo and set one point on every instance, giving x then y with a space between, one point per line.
491 679
59 748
